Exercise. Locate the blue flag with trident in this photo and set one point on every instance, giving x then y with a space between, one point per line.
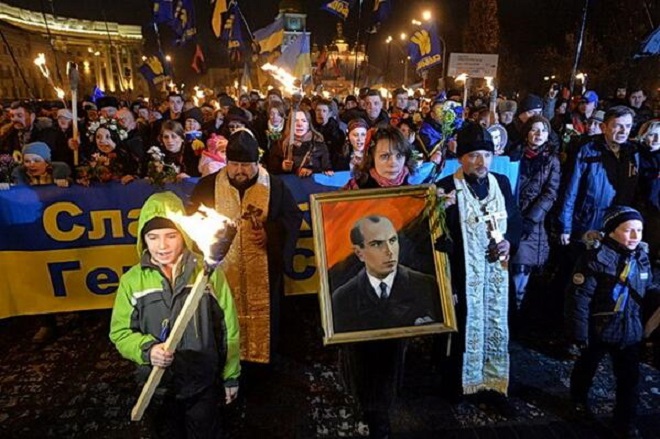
340 8
424 48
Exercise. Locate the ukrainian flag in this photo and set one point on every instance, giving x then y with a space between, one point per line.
296 58
304 62
271 36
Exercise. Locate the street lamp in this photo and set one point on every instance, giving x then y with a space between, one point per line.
404 37
168 58
426 15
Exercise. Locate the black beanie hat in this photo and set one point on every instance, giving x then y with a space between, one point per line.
194 113
155 223
616 215
531 102
473 137
242 147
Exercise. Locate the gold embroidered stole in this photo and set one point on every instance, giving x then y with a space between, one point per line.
486 356
246 264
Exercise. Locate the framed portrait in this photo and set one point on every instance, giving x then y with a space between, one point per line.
380 276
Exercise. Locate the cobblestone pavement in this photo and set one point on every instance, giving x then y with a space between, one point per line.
79 387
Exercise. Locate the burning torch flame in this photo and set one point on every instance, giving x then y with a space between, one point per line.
489 83
40 61
211 232
199 94
288 81
385 93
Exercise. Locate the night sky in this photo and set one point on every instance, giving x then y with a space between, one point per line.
526 26
525 19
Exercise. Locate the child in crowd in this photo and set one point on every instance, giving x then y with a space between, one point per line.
38 169
604 312
194 140
214 157
149 300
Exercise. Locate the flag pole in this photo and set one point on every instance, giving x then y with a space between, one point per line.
578 50
357 45
51 39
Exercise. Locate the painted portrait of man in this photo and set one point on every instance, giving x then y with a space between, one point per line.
384 293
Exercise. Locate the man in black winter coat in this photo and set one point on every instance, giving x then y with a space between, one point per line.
333 136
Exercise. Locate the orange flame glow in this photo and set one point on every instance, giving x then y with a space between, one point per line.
205 227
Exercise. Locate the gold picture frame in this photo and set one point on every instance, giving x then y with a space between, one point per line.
370 237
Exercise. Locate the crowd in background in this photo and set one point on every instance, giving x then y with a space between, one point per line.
180 138
578 155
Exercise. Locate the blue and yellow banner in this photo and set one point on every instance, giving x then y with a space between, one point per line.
177 14
235 30
184 20
64 249
153 69
340 8
270 37
425 48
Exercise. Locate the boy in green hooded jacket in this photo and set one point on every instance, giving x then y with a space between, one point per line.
148 302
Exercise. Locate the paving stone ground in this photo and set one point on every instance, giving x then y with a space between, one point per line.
79 387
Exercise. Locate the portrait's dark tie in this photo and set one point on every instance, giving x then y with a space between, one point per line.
383 291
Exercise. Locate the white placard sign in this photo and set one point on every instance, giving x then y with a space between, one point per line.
476 65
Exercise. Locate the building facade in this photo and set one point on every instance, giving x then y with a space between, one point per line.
107 54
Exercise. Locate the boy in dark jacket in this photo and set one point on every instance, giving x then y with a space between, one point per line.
149 300
604 315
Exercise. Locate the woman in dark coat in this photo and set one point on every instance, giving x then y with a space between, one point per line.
373 370
538 183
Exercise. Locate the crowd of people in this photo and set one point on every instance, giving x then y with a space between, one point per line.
587 191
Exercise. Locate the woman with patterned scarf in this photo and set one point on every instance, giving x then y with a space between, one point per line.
388 161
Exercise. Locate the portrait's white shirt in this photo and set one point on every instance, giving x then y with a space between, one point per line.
375 283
